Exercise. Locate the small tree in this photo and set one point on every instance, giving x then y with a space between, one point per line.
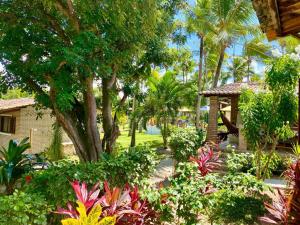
267 115
165 98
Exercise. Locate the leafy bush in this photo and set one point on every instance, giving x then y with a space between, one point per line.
23 209
240 162
184 142
242 182
245 163
131 166
234 207
192 196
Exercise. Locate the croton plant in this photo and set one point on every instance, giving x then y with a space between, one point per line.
112 205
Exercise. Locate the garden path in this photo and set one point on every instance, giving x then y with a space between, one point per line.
164 169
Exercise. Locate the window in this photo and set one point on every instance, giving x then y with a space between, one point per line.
7 124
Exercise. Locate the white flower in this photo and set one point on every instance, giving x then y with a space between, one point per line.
276 53
294 56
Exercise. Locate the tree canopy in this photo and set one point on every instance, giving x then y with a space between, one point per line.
59 48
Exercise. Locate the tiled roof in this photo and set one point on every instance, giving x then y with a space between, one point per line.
7 105
232 89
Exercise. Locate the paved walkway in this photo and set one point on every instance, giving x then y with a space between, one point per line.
165 168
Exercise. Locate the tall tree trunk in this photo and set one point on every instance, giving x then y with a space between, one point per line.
165 132
80 124
219 67
198 104
133 133
133 123
111 130
248 68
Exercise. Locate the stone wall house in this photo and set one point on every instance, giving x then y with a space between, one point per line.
19 119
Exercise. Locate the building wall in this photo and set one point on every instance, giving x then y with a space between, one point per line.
38 129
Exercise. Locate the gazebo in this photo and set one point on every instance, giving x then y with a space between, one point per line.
227 93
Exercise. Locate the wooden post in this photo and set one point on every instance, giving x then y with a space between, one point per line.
234 109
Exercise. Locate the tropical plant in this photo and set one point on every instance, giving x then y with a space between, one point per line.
23 208
265 115
238 69
13 163
124 207
132 166
285 209
184 142
207 160
91 218
296 150
165 98
226 26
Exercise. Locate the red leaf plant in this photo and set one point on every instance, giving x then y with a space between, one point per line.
278 211
207 160
286 210
125 204
87 198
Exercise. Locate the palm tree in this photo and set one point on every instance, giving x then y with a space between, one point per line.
165 99
228 21
197 24
238 69
255 48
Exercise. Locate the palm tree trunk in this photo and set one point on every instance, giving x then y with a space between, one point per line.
198 105
220 62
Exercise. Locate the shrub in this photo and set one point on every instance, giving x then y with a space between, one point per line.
240 162
131 166
234 207
184 143
192 196
23 209
245 163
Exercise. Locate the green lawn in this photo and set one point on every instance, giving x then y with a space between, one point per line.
123 141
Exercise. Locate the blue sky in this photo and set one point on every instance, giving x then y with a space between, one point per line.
193 44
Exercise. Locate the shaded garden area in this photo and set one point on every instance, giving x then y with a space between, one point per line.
104 118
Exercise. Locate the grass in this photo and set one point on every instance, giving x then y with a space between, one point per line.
123 140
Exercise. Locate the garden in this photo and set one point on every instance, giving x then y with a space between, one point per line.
125 84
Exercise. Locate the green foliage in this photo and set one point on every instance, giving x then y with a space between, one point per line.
23 209
214 197
131 166
186 193
267 115
15 93
246 163
283 73
240 162
242 182
164 101
55 151
13 163
234 207
185 142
